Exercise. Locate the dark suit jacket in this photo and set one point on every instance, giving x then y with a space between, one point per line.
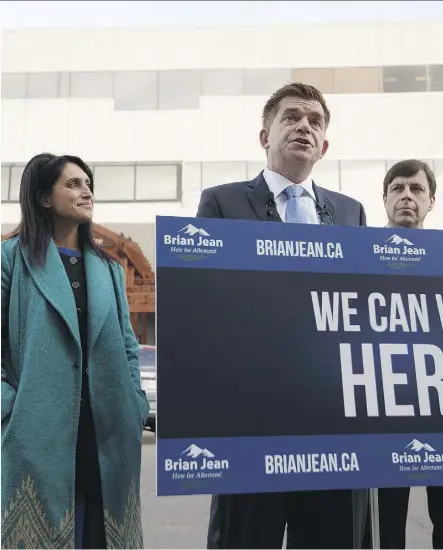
247 200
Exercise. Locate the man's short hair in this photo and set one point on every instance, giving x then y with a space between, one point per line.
294 89
407 169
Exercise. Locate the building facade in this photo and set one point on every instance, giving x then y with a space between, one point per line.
162 113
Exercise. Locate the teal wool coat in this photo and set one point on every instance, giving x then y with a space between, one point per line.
40 395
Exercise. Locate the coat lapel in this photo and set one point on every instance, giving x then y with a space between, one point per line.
259 194
52 281
326 206
100 290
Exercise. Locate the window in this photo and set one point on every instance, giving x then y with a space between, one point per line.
5 182
14 85
404 79
15 180
323 79
136 91
179 90
359 80
216 173
43 85
156 182
91 84
113 183
266 81
223 82
436 78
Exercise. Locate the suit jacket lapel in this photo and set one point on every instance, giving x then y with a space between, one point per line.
259 194
325 205
53 282
100 290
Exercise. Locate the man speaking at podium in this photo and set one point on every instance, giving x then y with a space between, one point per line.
294 123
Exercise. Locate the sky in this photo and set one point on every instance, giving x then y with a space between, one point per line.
203 13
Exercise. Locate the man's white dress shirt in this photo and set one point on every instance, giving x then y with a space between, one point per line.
278 183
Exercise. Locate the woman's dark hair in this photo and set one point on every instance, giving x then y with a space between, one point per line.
35 227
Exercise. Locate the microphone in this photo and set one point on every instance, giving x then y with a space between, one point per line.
324 214
271 206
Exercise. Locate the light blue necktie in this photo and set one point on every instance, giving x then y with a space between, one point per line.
294 210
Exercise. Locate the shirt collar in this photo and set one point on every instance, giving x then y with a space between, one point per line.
278 183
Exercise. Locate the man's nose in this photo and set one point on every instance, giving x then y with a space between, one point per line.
303 125
406 193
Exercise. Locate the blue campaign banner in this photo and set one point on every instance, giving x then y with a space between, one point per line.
297 357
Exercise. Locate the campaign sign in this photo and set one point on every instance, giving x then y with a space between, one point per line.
297 357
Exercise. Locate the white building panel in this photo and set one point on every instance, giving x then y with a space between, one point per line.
383 126
398 45
386 126
434 41
364 181
192 177
122 136
321 45
211 127
326 174
13 129
145 125
178 136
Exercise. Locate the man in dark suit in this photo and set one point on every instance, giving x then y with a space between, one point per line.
409 191
295 119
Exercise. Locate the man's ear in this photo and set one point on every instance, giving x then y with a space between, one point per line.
264 139
325 148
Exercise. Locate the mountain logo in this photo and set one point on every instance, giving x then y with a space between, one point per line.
192 230
395 239
417 446
194 451
196 463
192 243
399 252
417 457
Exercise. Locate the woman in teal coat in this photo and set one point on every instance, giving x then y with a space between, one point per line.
73 410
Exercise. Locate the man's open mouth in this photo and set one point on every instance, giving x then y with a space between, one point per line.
302 141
